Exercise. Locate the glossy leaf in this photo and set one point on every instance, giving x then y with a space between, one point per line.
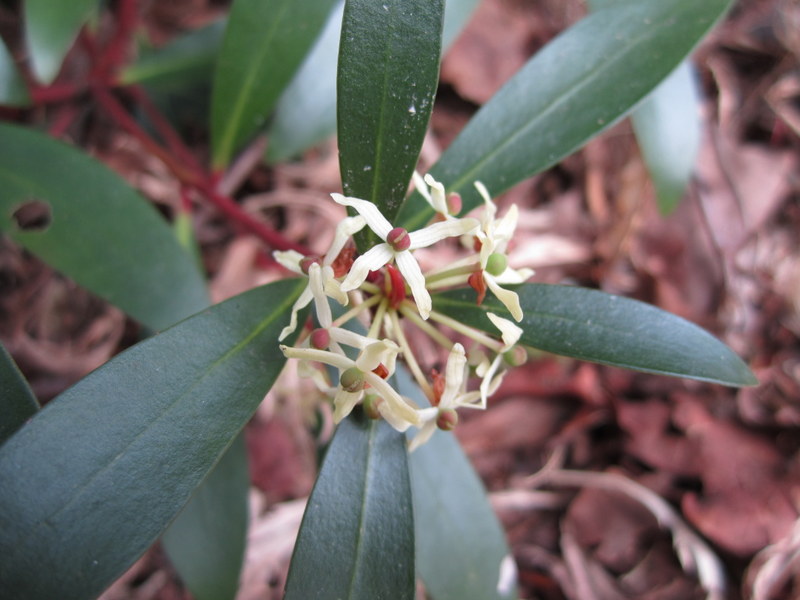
97 475
578 85
17 401
13 90
388 71
50 29
265 42
357 536
187 60
599 327
667 126
461 550
206 541
306 112
84 220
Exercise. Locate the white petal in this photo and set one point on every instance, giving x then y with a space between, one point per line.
454 376
504 228
350 338
422 238
409 267
344 402
513 275
507 297
392 418
344 231
289 259
393 402
321 305
423 435
376 221
508 330
372 260
298 305
438 197
422 188
375 354
333 359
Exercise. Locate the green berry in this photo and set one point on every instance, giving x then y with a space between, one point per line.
496 264
352 380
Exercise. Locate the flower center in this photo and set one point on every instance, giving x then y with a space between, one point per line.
398 239
496 264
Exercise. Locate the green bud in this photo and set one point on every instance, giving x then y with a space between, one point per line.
496 263
352 380
516 356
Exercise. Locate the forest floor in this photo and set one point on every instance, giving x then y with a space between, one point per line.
722 465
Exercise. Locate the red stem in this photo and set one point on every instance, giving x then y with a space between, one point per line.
113 56
59 92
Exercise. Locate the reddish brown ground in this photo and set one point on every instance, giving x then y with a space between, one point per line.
725 460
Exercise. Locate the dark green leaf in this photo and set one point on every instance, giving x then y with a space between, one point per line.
264 43
357 536
185 61
306 112
93 479
667 126
13 90
576 86
206 542
51 27
85 221
17 402
461 551
388 71
592 325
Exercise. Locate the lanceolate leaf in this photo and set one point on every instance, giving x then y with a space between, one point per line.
50 29
17 402
13 91
264 44
306 112
187 60
461 551
667 126
576 86
206 541
357 536
388 71
97 475
85 221
592 325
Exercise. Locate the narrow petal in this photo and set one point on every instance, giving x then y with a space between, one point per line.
438 196
289 259
507 297
391 417
375 220
422 188
350 338
409 267
372 260
344 402
514 275
454 376
504 227
508 330
321 305
375 354
423 435
299 304
422 238
399 408
344 231
333 359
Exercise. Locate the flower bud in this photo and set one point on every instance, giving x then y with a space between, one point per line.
496 264
454 203
516 356
447 419
398 239
305 264
352 380
320 338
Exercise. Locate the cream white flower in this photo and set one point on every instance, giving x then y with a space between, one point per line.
397 245
293 260
455 395
433 192
356 375
494 235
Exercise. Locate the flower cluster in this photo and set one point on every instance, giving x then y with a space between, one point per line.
372 290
